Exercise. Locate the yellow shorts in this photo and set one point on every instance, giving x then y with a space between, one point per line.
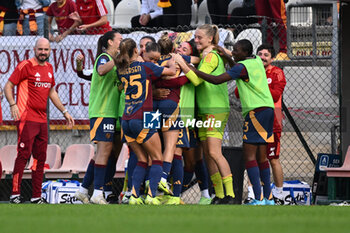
213 126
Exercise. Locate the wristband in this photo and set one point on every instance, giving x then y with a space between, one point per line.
64 111
12 105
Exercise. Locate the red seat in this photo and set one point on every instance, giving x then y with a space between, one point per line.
344 170
53 160
8 156
334 174
120 166
76 160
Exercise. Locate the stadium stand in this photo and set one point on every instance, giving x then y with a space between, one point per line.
7 157
252 34
53 160
110 8
339 172
234 4
120 166
124 11
75 162
203 13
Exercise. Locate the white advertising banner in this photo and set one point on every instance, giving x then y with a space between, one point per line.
72 90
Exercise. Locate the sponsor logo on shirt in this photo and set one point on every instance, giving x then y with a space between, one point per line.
37 74
42 84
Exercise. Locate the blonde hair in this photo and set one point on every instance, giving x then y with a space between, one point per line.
166 44
211 30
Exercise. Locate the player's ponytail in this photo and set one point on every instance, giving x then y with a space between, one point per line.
123 59
215 34
211 30
166 44
102 44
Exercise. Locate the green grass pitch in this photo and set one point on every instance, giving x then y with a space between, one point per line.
27 218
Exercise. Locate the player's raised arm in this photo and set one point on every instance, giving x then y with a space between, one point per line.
212 78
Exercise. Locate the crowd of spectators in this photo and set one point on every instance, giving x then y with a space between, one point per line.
26 17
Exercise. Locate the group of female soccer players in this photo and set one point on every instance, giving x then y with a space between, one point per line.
126 85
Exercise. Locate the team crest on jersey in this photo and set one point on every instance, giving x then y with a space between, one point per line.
21 145
37 75
269 80
49 74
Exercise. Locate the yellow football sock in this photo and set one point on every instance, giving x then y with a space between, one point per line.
218 187
125 185
228 185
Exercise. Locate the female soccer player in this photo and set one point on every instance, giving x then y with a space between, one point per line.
103 114
213 106
193 155
137 77
257 109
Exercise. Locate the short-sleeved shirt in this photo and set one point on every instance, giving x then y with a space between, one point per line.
137 81
238 71
33 82
61 14
91 11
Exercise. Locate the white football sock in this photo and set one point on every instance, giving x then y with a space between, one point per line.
251 192
83 190
205 193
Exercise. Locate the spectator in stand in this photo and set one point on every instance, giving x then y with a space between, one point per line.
93 14
149 15
32 16
275 11
35 83
218 11
176 13
61 11
8 18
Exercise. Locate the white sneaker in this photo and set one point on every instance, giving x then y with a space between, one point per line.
84 198
98 199
126 199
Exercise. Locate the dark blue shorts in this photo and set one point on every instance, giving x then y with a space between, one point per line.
133 131
170 111
258 126
184 138
194 140
187 138
102 129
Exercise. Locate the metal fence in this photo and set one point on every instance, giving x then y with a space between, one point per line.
311 98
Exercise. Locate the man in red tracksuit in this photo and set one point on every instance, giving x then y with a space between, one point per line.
35 84
277 82
275 11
